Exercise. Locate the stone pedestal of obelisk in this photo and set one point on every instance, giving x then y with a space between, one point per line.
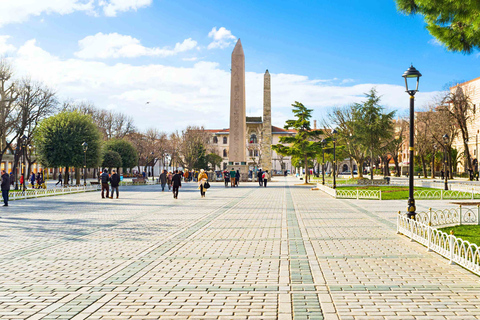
266 163
237 157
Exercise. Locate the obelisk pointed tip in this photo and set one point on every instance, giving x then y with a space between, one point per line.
238 50
266 72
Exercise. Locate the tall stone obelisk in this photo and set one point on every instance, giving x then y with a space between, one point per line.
237 158
266 162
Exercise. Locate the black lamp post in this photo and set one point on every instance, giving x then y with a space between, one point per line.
85 147
411 76
24 147
323 161
445 159
334 139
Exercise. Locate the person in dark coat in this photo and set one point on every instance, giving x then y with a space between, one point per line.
60 178
260 179
177 183
237 177
163 179
104 178
226 177
5 186
114 182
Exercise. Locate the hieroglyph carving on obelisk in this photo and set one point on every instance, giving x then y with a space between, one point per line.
238 125
267 125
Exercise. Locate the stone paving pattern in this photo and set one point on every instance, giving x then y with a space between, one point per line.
282 252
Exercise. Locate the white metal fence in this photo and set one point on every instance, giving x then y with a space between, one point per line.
350 194
35 193
456 250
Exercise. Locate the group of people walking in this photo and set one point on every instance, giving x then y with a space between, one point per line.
263 177
232 177
174 181
114 180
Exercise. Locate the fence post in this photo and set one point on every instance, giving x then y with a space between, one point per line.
380 194
478 214
452 244
398 222
429 238
411 222
429 217
357 193
460 215
441 194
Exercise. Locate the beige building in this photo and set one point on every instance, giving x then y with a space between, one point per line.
219 144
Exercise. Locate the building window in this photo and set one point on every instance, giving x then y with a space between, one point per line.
250 153
224 153
224 140
215 140
253 138
256 153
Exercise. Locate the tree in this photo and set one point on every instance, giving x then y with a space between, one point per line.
192 148
59 141
371 125
125 149
111 159
458 104
342 119
304 144
395 145
456 24
9 115
214 160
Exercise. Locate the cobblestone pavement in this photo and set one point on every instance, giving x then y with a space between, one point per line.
282 252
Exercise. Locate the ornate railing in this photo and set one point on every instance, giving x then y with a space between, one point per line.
456 250
35 193
359 194
448 217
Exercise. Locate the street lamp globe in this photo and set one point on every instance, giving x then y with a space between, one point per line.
412 79
85 146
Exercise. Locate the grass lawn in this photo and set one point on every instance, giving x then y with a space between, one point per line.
469 233
388 192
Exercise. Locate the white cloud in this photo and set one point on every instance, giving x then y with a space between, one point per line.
114 45
5 47
222 38
178 96
435 42
17 11
112 7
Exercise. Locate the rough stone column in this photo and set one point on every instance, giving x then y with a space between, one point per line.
267 125
237 136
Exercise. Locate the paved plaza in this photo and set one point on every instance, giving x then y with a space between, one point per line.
282 252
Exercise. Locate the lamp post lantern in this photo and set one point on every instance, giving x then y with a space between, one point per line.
85 147
334 139
445 159
323 161
411 76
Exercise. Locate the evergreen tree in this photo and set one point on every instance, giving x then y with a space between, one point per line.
305 143
125 149
455 23
371 125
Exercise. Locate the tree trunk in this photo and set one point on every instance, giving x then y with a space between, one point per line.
306 169
424 165
433 166
360 163
77 176
371 164
397 166
66 177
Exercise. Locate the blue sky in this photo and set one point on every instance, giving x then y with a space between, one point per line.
118 54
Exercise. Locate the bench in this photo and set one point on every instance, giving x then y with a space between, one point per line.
94 182
138 180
